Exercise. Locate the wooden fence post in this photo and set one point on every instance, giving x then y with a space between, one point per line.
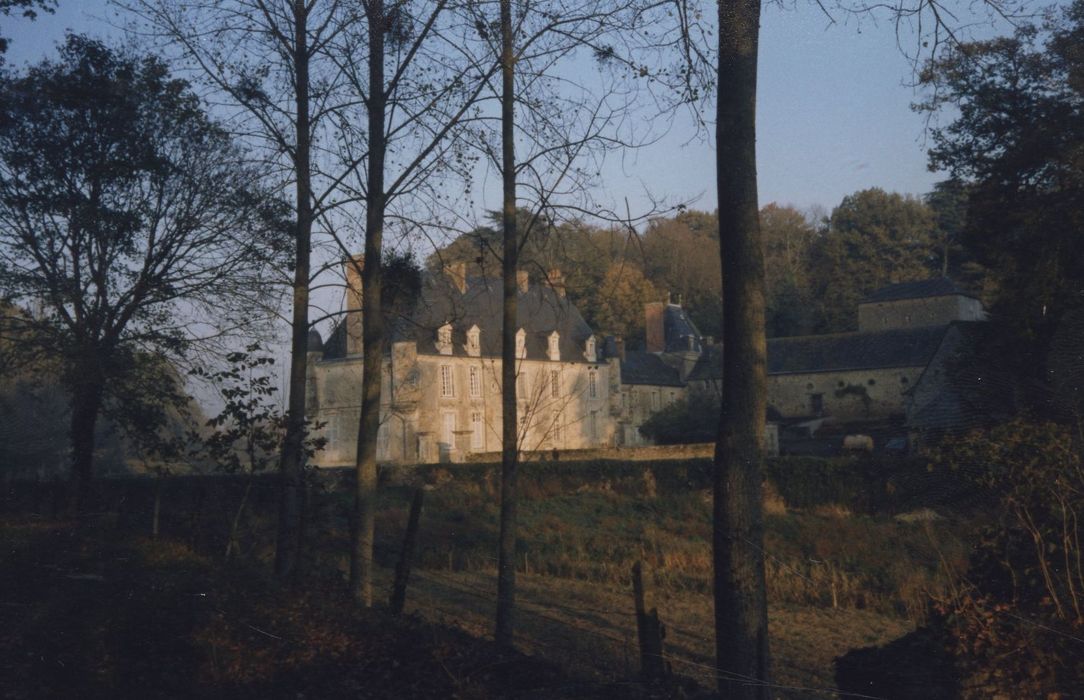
402 570
649 630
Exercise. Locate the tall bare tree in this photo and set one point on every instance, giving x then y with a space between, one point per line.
415 85
563 121
506 552
261 59
741 608
741 629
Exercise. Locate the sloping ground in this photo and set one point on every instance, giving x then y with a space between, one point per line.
590 629
89 613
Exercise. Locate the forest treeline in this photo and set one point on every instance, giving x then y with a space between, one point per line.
818 264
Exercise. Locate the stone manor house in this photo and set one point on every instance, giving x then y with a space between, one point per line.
441 398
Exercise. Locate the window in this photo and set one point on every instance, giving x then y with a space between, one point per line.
555 383
331 432
592 383
447 428
475 382
554 346
589 350
447 383
477 431
558 430
654 401
670 400
382 441
444 339
816 404
474 341
521 343
592 425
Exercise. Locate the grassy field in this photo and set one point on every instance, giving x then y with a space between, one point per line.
836 580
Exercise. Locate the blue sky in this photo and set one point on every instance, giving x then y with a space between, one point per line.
833 112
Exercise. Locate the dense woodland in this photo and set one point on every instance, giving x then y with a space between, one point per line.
818 266
163 204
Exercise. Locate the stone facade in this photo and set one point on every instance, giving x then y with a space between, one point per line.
857 395
441 390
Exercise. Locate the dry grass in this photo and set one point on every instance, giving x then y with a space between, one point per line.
590 627
826 559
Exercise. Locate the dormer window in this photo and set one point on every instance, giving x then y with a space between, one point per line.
589 350
521 344
444 339
554 349
474 341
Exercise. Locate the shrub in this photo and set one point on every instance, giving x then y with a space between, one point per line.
1016 619
684 422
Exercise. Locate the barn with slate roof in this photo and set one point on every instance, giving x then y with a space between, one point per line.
864 375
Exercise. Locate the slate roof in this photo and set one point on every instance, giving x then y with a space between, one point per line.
898 347
710 364
973 384
837 352
678 329
541 311
933 287
648 368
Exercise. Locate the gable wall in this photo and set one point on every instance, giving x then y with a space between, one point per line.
877 394
914 313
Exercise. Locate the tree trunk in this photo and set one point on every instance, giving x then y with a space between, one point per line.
406 556
232 543
506 556
293 448
86 405
361 559
741 618
156 516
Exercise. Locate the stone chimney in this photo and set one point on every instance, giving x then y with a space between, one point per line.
557 281
457 275
654 326
523 281
352 268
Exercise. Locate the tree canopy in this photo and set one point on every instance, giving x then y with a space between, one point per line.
874 238
126 217
1015 140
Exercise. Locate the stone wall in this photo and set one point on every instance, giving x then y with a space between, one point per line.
856 395
914 313
644 453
